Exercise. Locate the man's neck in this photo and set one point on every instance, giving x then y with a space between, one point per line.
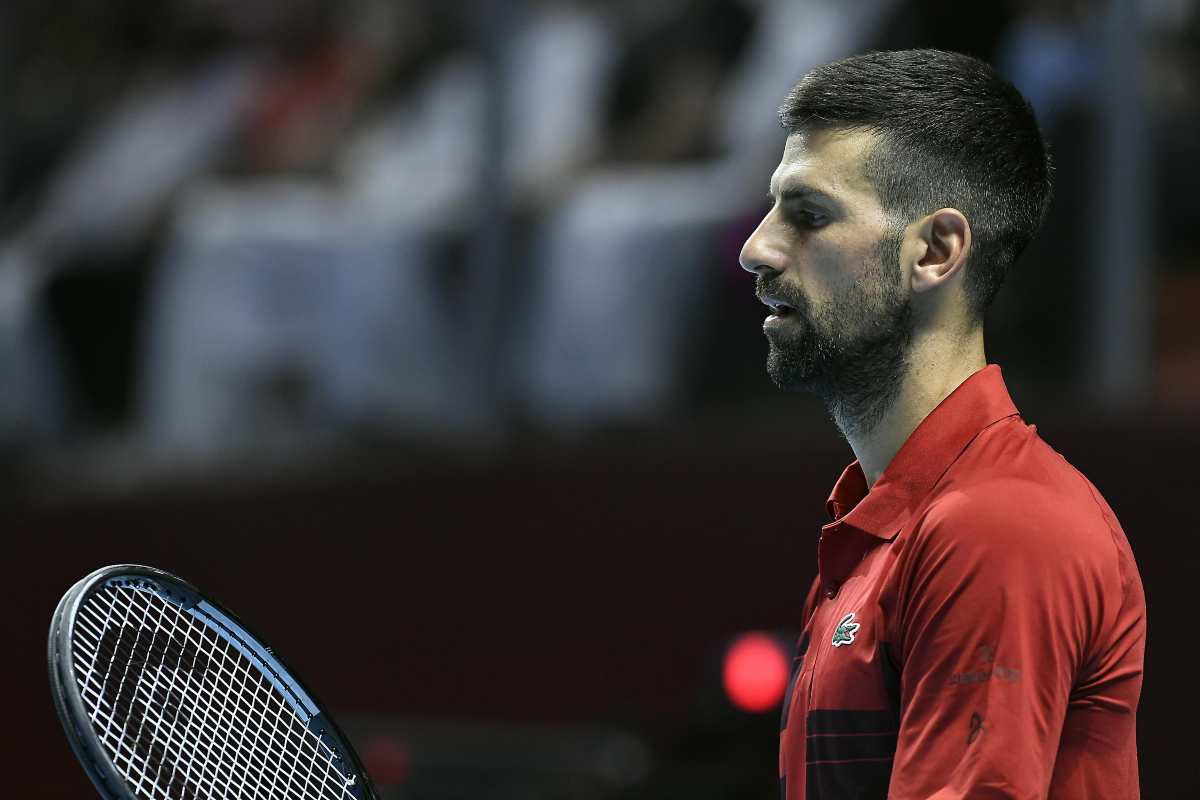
937 369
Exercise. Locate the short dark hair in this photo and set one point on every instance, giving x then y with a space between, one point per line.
951 133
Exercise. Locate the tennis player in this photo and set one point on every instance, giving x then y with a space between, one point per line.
977 625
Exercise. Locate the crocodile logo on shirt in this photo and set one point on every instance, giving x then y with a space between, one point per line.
845 630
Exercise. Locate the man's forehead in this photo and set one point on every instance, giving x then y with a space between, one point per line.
830 162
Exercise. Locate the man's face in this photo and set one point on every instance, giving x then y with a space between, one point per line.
829 264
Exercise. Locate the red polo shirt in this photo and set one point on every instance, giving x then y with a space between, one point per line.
976 628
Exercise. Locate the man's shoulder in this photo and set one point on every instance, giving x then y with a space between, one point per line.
1013 450
1010 489
1034 522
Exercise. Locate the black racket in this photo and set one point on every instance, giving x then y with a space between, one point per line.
165 695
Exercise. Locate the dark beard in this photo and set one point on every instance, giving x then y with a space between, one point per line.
854 354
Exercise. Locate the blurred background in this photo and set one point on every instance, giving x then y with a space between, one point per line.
413 331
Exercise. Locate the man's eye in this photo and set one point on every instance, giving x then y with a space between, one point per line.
808 219
799 214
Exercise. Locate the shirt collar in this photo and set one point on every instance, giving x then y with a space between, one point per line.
979 401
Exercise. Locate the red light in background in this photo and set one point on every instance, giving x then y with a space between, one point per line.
386 759
755 672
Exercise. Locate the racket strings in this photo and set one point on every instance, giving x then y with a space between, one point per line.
237 681
184 714
241 723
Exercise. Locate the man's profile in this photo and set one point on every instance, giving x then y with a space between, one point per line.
977 624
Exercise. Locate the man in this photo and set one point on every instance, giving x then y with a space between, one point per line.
977 625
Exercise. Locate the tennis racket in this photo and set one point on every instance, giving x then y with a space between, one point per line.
164 695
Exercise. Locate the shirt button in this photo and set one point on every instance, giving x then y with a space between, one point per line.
832 591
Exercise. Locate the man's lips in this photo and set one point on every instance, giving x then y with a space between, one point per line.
778 307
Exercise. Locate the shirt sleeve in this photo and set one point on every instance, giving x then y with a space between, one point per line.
991 608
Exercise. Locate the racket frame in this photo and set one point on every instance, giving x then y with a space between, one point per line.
74 714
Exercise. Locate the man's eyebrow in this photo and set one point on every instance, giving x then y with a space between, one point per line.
796 191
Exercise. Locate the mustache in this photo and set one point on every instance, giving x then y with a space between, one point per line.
774 287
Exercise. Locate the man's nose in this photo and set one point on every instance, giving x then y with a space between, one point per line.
758 255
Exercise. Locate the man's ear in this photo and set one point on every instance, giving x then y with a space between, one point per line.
946 237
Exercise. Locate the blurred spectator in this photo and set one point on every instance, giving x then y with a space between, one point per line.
1054 56
293 308
338 312
280 314
31 404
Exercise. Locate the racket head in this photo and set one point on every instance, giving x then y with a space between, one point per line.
163 693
